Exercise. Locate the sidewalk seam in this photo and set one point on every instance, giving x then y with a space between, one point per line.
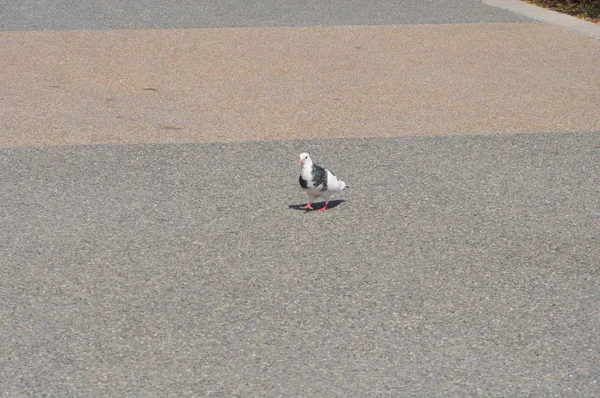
546 15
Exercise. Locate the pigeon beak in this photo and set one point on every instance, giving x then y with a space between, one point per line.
301 160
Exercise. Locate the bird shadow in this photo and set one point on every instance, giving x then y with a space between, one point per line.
318 205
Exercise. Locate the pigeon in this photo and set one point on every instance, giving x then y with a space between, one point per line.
317 181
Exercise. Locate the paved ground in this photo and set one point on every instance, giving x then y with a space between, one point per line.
151 242
167 14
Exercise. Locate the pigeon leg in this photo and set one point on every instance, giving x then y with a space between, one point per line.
323 208
308 206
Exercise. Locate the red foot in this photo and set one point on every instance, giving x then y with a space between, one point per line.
322 208
306 207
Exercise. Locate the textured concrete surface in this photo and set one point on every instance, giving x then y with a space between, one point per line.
289 83
455 266
169 258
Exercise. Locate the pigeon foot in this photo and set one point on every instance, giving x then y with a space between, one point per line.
306 207
322 208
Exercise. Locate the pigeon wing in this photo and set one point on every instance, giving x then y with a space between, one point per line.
303 182
333 183
319 178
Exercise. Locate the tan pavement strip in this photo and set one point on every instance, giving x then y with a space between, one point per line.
80 87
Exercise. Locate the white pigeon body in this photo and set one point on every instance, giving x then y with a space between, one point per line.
318 182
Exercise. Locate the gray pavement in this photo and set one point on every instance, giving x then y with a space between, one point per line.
456 265
149 14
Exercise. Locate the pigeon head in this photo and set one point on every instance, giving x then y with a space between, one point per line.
305 158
